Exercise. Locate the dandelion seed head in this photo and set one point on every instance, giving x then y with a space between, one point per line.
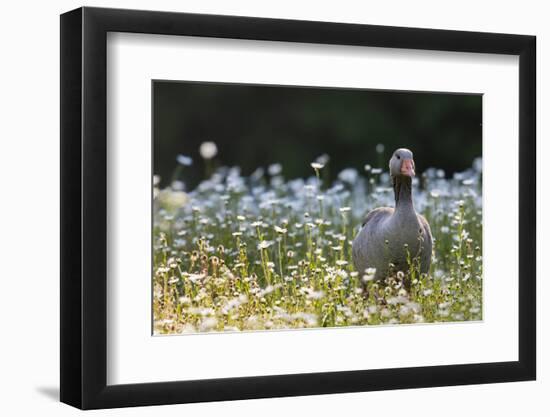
275 169
184 160
348 175
208 150
323 159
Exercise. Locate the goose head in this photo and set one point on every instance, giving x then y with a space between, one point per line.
402 163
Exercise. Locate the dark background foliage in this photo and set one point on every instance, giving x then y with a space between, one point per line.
256 125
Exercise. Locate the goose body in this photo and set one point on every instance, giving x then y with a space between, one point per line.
392 235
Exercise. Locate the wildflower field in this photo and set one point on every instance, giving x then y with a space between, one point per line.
259 252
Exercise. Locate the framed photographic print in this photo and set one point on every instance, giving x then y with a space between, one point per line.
257 208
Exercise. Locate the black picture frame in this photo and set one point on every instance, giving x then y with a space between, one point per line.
84 207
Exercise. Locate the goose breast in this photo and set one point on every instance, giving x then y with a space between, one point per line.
386 239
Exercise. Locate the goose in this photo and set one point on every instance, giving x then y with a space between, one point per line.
389 235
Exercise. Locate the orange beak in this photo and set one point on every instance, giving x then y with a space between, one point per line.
407 167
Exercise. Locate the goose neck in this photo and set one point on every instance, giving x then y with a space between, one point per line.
402 187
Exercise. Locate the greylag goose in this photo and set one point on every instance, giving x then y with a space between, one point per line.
389 234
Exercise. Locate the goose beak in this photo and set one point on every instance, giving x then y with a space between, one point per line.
407 167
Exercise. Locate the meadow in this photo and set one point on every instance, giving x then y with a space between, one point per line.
260 252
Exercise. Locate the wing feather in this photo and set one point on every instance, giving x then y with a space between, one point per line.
375 213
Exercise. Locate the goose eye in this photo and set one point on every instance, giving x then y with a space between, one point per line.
398 157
